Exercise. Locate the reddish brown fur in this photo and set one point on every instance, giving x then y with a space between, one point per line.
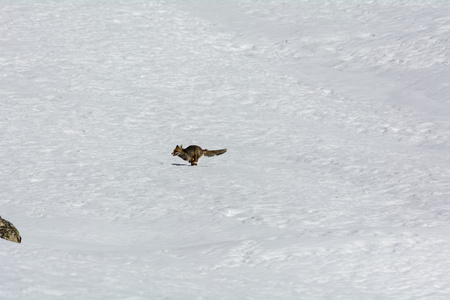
193 153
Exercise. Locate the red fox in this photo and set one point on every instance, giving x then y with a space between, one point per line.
193 153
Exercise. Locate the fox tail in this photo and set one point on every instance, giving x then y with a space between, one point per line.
207 152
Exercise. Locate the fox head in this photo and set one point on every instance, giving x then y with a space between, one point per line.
177 150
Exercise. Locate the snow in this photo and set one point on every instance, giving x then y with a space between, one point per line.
335 114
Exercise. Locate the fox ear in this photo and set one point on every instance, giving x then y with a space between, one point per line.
181 146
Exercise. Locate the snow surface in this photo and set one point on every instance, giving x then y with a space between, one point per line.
335 114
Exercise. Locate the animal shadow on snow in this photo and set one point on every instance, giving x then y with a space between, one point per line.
187 165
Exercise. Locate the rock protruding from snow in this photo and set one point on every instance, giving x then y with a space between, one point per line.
9 232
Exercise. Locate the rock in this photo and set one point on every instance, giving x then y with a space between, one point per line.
8 231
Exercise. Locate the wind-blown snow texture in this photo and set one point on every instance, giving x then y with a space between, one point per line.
336 118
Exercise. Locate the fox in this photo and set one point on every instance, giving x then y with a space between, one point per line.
193 153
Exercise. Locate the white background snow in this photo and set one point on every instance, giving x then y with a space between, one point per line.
336 116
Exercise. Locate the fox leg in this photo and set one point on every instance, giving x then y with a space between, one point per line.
194 160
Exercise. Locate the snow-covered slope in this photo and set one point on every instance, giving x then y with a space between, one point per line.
335 114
